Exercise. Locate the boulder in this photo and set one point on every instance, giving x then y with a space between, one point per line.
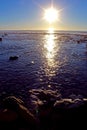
78 41
16 110
13 58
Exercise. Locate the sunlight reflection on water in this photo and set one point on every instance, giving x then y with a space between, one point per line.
50 60
50 54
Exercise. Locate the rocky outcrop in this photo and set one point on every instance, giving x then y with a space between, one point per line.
56 113
14 113
51 114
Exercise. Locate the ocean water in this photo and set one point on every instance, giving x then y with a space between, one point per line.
47 60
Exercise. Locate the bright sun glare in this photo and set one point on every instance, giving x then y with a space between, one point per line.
51 15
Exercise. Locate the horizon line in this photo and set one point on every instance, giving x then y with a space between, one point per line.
41 30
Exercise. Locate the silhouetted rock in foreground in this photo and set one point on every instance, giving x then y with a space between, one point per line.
56 113
15 115
13 57
52 115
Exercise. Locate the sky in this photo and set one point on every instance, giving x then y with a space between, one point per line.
28 14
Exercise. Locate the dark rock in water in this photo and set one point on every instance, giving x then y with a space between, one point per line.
78 41
0 39
13 58
16 111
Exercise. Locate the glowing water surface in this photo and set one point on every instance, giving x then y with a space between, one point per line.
50 60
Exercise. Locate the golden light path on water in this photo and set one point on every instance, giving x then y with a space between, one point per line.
50 53
50 45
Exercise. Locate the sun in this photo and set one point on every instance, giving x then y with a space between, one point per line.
51 15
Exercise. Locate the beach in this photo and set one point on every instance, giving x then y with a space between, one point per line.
44 69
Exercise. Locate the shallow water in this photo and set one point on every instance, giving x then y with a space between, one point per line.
47 60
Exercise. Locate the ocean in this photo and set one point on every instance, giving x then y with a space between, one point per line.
53 61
